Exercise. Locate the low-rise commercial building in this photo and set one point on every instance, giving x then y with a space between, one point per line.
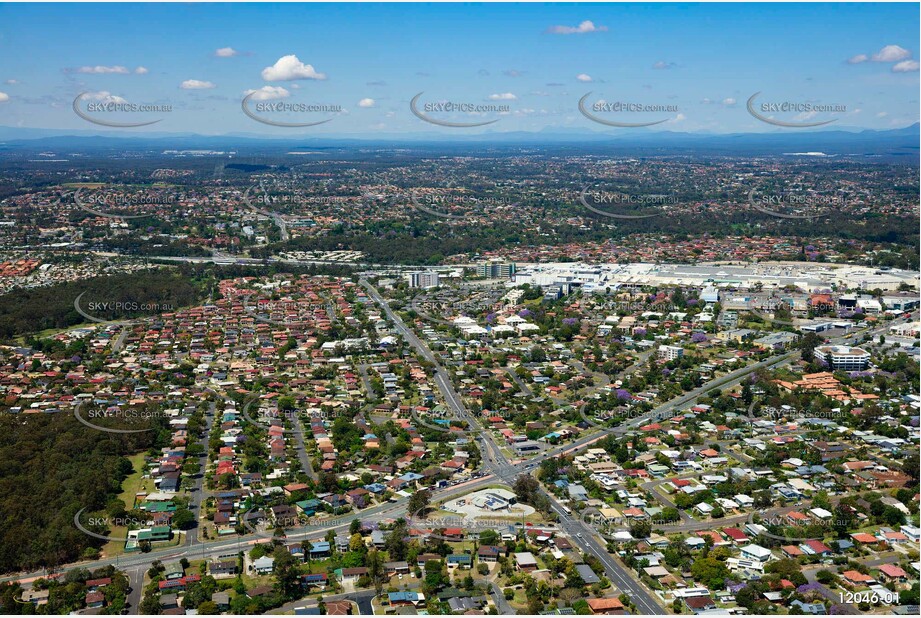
843 357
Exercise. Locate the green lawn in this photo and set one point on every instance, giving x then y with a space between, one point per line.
130 487
134 483
252 581
521 599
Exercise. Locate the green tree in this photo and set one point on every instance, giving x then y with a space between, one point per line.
581 607
435 577
184 519
418 503
640 529
287 573
208 608
526 488
375 563
150 604
825 577
709 571
395 543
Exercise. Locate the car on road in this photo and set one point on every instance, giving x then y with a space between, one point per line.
579 535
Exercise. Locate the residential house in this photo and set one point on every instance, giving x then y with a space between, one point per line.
525 561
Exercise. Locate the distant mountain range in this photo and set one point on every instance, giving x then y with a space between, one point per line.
901 143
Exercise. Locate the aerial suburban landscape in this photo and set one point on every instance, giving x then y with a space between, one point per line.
508 309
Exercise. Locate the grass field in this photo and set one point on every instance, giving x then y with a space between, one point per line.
252 581
130 487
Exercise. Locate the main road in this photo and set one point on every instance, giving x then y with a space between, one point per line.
497 465
494 457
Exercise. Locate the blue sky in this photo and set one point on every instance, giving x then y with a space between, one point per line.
700 63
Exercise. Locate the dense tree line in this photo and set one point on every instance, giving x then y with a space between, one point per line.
426 240
24 311
51 466
31 310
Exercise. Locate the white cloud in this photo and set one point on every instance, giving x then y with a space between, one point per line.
12 82
584 28
729 101
891 53
289 68
906 66
196 84
268 93
505 96
141 71
676 119
4 97
661 64
857 59
225 52
366 103
104 96
102 70
582 77
882 114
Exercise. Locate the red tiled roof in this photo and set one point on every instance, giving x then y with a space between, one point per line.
892 570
